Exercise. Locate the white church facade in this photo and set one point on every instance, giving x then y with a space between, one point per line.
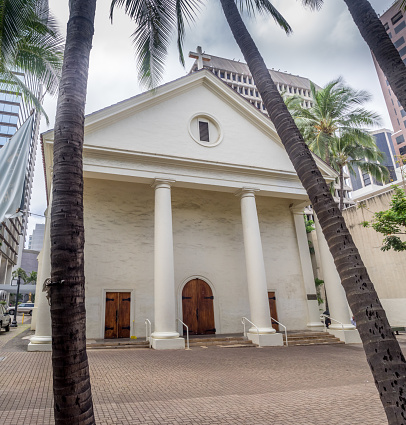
194 212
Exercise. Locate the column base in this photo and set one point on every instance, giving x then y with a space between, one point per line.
349 336
168 343
266 340
40 343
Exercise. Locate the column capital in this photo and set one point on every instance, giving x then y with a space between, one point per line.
162 183
246 192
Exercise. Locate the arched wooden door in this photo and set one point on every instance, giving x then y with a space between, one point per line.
197 307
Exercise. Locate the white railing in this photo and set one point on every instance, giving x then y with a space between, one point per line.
148 331
334 320
243 320
187 333
284 327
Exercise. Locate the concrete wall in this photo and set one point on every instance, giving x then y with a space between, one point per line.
386 269
208 243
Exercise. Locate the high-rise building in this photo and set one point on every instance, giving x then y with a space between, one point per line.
237 75
14 110
395 25
36 240
363 183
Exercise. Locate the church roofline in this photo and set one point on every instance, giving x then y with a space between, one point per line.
132 105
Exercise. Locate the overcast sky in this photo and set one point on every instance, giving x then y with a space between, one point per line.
323 46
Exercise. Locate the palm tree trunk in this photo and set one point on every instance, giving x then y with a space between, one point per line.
383 353
385 52
71 381
341 189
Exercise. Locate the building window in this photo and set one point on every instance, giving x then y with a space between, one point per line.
290 89
402 51
251 92
402 150
367 179
244 80
233 77
249 81
400 139
399 42
204 131
403 113
400 27
228 76
256 93
222 75
239 79
386 26
246 92
397 18
389 34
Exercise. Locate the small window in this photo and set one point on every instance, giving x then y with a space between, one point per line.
402 51
244 80
239 79
400 27
290 89
256 93
249 81
399 42
403 113
386 26
402 150
246 92
251 92
204 131
228 76
397 18
222 75
400 139
233 77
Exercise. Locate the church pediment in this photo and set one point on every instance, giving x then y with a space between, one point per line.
195 127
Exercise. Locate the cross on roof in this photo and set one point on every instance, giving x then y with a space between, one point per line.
200 56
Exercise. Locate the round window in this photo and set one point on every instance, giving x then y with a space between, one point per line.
205 130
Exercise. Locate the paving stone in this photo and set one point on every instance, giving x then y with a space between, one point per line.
313 385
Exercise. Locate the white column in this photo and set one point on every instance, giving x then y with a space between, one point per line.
165 335
313 315
256 277
337 300
42 340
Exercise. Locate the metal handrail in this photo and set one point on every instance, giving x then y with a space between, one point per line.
331 318
148 338
187 333
286 331
243 319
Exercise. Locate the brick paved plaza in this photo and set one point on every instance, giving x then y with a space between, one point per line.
314 385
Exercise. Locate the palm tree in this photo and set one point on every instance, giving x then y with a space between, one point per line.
334 129
71 381
378 41
362 152
383 353
381 347
336 109
30 44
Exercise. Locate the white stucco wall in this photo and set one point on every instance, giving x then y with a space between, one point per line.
208 242
387 269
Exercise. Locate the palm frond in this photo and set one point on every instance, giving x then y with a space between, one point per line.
10 82
313 4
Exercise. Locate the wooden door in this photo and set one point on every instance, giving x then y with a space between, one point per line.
117 318
198 307
272 309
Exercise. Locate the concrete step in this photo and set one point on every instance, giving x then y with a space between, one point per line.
218 341
93 344
311 338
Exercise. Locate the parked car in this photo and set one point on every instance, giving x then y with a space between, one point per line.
22 308
5 318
